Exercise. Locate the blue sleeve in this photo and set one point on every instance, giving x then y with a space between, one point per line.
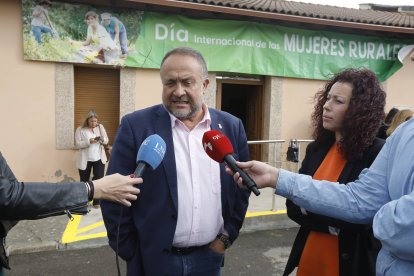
394 222
355 202
320 223
394 227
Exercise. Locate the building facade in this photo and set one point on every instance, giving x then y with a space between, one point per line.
38 110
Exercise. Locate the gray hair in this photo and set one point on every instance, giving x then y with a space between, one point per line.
91 114
187 51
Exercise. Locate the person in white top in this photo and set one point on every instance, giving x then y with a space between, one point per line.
90 140
98 41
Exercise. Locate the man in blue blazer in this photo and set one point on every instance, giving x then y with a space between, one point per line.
189 210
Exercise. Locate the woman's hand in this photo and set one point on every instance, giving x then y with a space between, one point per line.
263 174
117 188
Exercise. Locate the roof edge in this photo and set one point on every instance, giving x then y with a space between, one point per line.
273 16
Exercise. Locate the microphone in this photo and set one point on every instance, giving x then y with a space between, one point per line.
150 154
219 148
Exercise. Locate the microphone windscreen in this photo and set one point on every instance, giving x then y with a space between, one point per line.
152 151
217 145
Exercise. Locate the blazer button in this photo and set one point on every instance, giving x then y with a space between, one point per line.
345 256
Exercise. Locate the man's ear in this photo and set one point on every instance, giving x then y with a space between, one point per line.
206 83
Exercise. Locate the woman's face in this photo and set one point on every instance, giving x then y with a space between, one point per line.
93 122
90 20
336 106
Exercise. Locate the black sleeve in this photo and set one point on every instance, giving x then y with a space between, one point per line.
6 172
20 200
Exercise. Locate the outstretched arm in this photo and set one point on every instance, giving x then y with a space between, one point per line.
19 200
116 28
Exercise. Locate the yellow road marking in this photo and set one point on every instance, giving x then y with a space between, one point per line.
264 213
73 233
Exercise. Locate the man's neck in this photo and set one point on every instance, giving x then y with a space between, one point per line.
192 122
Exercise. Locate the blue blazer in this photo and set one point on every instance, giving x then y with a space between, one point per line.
148 226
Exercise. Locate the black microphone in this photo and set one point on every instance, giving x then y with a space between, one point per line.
219 148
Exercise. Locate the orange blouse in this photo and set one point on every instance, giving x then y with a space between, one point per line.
320 255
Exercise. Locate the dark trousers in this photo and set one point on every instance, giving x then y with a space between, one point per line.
204 262
98 169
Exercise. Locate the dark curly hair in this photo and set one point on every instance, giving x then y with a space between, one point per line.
363 118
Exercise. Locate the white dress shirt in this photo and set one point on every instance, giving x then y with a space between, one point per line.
199 187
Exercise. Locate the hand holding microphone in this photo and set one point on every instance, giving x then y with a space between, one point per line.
219 148
264 175
117 188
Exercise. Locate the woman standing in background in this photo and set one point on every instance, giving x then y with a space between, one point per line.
90 140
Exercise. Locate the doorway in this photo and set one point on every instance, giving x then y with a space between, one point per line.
98 89
244 99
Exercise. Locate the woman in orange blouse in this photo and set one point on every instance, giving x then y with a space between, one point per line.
348 113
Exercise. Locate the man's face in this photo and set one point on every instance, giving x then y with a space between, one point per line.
183 86
107 21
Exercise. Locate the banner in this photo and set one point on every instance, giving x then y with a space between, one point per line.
64 32
227 45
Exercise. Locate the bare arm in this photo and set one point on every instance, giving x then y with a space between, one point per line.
116 27
88 37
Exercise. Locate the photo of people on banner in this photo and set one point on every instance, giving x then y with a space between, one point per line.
57 31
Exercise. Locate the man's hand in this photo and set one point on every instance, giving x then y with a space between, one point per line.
264 175
117 188
217 246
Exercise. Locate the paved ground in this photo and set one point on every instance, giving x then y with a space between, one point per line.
265 212
79 247
256 253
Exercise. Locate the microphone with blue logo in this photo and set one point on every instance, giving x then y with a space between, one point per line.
150 154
